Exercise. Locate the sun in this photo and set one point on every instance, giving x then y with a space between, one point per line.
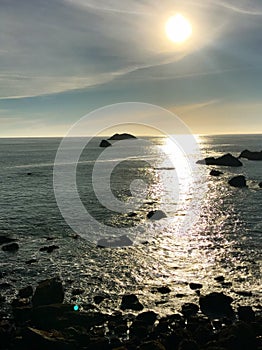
178 29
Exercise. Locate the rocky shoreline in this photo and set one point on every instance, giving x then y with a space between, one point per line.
41 320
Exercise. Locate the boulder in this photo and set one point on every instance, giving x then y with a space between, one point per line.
220 279
114 242
189 309
246 313
131 302
164 290
216 304
225 160
123 136
47 292
251 155
105 143
12 247
148 317
238 181
25 292
215 172
49 249
195 286
156 215
260 184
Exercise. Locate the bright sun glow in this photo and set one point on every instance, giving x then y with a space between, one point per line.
178 29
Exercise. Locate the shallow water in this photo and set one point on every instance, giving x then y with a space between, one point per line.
224 240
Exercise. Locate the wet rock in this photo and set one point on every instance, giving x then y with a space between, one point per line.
219 279
105 143
215 172
31 261
225 160
123 136
216 305
203 334
25 292
246 313
130 301
156 215
238 181
98 299
138 329
152 345
5 240
12 247
148 317
195 286
132 215
29 174
260 184
114 242
50 291
189 309
251 155
49 249
164 290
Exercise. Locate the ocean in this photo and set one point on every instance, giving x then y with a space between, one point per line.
224 239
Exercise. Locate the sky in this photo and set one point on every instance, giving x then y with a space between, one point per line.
62 59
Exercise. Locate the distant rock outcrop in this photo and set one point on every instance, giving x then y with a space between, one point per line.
238 181
105 143
225 160
123 136
251 155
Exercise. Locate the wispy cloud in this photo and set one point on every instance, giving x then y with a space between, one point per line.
239 9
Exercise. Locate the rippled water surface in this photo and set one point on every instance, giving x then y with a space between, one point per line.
224 240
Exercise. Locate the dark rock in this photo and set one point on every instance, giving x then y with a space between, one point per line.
148 317
138 329
132 215
31 261
49 249
246 313
203 334
189 309
238 181
225 160
98 299
164 290
29 174
25 292
216 304
123 136
130 301
219 279
50 291
244 293
5 240
215 172
12 247
2 298
152 345
114 242
226 284
156 215
260 184
195 286
188 345
251 155
77 291
105 143
48 238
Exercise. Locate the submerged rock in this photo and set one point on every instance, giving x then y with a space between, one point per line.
5 240
225 160
47 292
238 181
216 304
215 172
12 247
251 155
156 215
130 301
123 136
105 143
114 242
